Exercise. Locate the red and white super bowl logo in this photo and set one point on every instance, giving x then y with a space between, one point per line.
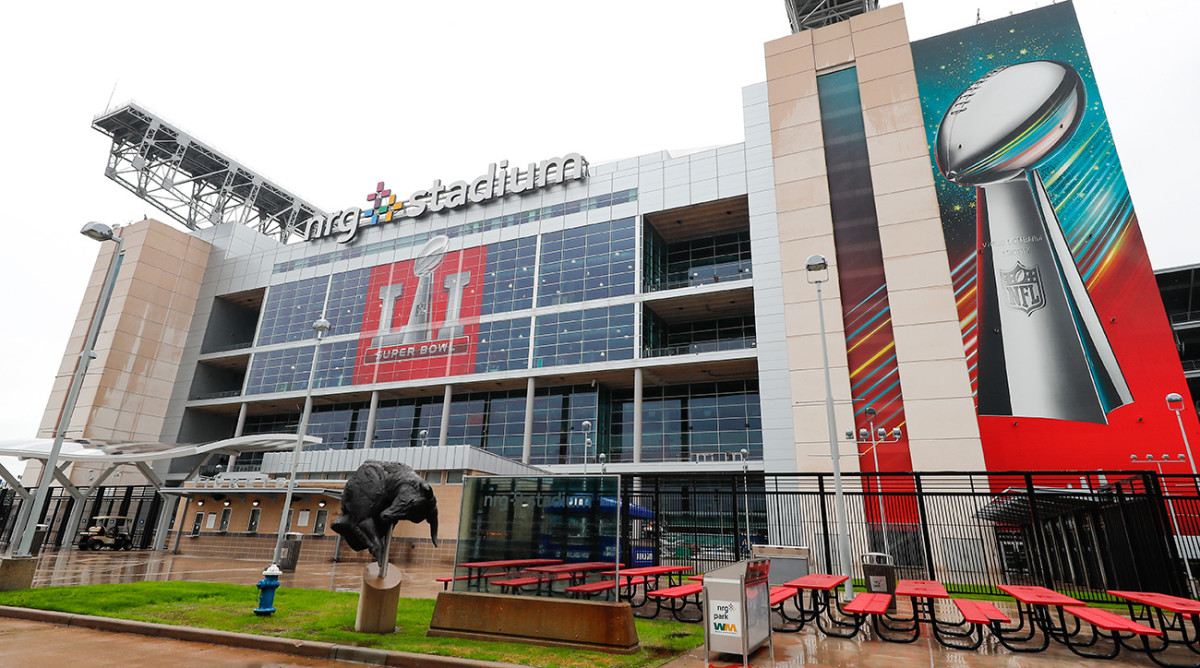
421 317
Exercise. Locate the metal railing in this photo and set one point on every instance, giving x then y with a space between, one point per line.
224 394
714 345
1081 533
728 275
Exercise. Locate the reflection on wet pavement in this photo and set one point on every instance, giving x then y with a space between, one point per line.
25 643
73 567
809 648
792 650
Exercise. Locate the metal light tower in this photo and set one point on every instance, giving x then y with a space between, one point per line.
322 325
818 273
99 232
1171 507
878 437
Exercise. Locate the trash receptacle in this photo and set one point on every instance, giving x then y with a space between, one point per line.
289 554
39 538
880 575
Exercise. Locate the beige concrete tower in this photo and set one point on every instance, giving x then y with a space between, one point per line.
941 423
124 396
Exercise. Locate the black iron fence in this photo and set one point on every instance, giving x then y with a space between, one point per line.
140 503
1081 533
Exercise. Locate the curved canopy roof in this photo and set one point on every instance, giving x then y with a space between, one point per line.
129 453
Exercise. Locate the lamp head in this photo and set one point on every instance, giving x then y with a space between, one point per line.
1133 458
98 231
881 433
896 433
1175 401
863 434
322 325
587 424
849 434
870 412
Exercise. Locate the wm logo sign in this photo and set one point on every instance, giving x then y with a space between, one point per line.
725 627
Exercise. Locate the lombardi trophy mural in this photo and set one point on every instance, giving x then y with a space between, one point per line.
1042 349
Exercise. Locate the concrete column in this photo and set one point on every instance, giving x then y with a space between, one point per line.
637 415
527 444
167 510
183 519
369 437
445 417
22 519
237 432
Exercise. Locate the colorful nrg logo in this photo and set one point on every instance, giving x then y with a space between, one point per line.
384 205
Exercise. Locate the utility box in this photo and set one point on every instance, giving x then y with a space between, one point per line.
880 575
289 554
788 562
737 609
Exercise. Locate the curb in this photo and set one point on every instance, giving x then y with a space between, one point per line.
306 648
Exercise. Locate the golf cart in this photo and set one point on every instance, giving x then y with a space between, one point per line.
111 531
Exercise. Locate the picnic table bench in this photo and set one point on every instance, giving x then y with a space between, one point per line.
459 578
676 600
606 586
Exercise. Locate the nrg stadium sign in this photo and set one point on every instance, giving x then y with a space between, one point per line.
499 181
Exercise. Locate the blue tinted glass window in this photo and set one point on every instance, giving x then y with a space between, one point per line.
291 309
335 367
347 301
591 262
503 345
508 284
582 337
280 370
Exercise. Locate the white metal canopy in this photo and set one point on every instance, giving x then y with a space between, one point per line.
132 453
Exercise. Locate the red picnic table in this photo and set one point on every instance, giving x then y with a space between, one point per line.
574 572
1034 604
475 569
1169 614
643 575
923 594
820 586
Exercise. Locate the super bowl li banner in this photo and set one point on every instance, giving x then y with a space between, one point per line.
1069 349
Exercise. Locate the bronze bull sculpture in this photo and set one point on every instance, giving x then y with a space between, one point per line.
378 495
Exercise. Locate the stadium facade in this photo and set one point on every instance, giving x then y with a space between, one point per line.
988 294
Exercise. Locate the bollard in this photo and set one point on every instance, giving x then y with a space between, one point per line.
266 590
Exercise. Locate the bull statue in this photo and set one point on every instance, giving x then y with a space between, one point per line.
378 495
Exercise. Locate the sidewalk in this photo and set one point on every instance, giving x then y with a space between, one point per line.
27 643
36 637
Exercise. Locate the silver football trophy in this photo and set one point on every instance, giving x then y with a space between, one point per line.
1042 349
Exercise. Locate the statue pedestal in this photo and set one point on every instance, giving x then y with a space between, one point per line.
378 600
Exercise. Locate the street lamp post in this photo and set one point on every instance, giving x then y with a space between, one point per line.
99 232
587 443
1175 403
878 437
322 325
746 487
816 265
1171 508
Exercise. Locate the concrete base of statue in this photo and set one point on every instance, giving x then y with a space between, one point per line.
378 600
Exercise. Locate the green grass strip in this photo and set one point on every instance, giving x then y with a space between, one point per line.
325 616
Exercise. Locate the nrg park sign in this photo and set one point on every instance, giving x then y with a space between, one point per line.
499 181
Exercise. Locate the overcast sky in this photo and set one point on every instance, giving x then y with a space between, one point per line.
326 99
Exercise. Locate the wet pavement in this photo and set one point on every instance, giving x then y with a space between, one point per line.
32 643
74 567
810 648
26 643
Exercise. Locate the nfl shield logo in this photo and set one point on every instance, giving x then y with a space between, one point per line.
1023 288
